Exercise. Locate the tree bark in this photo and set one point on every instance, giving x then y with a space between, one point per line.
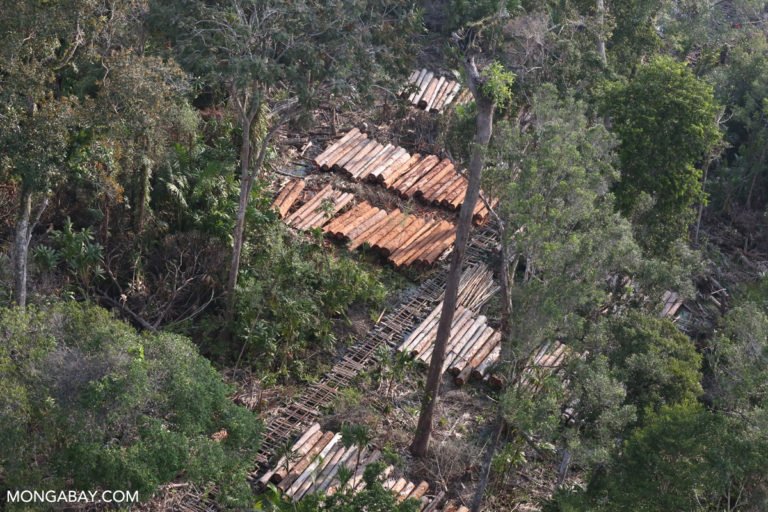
143 198
601 35
484 126
237 238
20 250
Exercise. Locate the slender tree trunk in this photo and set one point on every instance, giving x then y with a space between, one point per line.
601 35
485 108
237 238
477 501
20 249
143 199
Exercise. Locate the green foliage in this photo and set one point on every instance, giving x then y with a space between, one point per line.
463 13
77 250
738 360
291 294
553 183
665 118
687 458
657 363
90 403
497 84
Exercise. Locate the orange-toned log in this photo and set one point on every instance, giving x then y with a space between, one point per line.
430 99
395 242
341 228
414 245
405 182
300 465
323 157
391 176
335 227
309 205
419 491
382 163
358 158
480 370
472 349
364 158
386 243
382 157
343 150
442 173
436 239
382 225
459 185
426 180
482 354
354 233
396 158
288 195
439 193
321 217
355 150
300 447
380 231
440 245
309 216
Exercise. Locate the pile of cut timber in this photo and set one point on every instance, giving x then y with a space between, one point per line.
427 177
288 196
434 93
672 303
319 210
405 239
548 359
473 346
314 464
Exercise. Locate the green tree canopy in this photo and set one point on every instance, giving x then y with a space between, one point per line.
666 120
89 403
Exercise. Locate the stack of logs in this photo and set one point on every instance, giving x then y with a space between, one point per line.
473 346
547 359
318 210
427 177
433 93
405 239
313 467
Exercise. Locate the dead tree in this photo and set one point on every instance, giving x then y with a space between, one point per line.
483 129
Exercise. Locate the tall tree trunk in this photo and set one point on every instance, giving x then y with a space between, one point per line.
20 249
484 126
237 238
143 199
601 35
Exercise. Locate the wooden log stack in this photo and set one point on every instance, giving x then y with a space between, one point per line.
288 195
405 239
434 93
427 177
546 360
473 346
320 209
314 463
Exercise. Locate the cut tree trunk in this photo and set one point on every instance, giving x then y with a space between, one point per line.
484 126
